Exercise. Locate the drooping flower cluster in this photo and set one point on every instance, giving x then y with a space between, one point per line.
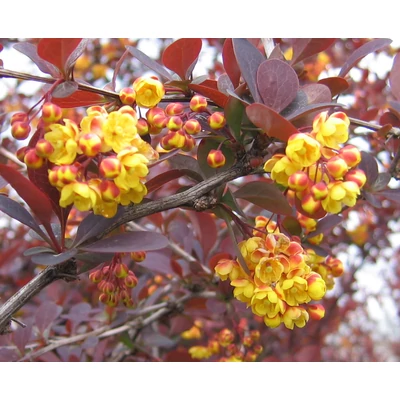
321 176
225 346
115 281
283 278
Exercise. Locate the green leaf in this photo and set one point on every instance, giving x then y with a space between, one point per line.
265 195
234 110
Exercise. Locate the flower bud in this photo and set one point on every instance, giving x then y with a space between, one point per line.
96 276
51 113
299 181
19 117
20 130
319 191
337 167
174 123
90 144
109 191
225 337
121 270
174 109
32 160
20 153
173 140
130 281
316 311
316 286
310 205
216 159
198 103
189 143
104 298
138 256
156 117
192 127
351 155
127 96
43 148
335 265
216 120
110 167
142 127
67 174
356 175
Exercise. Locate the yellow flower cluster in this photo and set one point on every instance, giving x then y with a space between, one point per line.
322 175
282 279
102 163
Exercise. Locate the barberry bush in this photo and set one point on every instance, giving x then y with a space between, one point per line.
153 214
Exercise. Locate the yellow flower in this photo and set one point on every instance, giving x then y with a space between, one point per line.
339 194
135 195
244 290
331 130
265 302
295 316
149 92
268 270
80 194
228 268
283 169
316 286
64 139
303 149
294 291
200 352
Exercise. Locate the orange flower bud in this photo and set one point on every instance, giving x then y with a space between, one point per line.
121 270
138 256
142 127
310 205
20 153
66 174
108 288
192 127
198 103
90 144
96 276
130 280
316 286
319 191
109 191
174 123
174 109
104 298
216 159
356 175
225 337
335 265
156 117
20 130
19 117
351 155
110 167
216 120
299 181
173 140
337 167
316 311
51 113
127 96
189 143
32 160
43 148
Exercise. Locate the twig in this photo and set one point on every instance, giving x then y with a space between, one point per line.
374 127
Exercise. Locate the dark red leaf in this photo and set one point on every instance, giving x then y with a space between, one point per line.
128 242
57 51
230 64
277 54
381 181
76 54
326 224
183 161
19 213
270 121
234 111
206 229
391 194
394 77
80 98
39 203
303 48
30 50
181 56
265 195
224 84
53 259
249 59
292 225
317 93
149 62
277 84
361 52
65 89
335 84
45 315
303 111
370 166
215 95
168 176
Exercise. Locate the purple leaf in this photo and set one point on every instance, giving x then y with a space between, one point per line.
394 77
224 84
303 48
373 199
249 59
185 162
37 250
361 52
317 93
65 89
265 195
76 54
335 84
277 84
19 213
53 259
93 224
128 242
391 194
303 111
326 224
30 50
46 314
150 63
270 121
370 166
381 182
22 336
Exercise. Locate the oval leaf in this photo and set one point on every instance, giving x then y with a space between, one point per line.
270 121
181 56
76 54
128 242
46 314
53 259
57 51
326 224
292 225
249 59
303 48
277 84
65 89
80 98
369 165
317 93
335 84
150 63
230 64
265 195
361 52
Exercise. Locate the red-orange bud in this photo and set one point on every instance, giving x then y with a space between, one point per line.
121 270
44 148
142 127
216 159
216 120
337 167
356 175
192 127
130 281
90 144
299 181
51 113
198 103
20 130
310 205
351 155
19 117
316 311
319 191
156 117
96 276
127 96
174 123
174 109
138 256
110 167
32 160
20 153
